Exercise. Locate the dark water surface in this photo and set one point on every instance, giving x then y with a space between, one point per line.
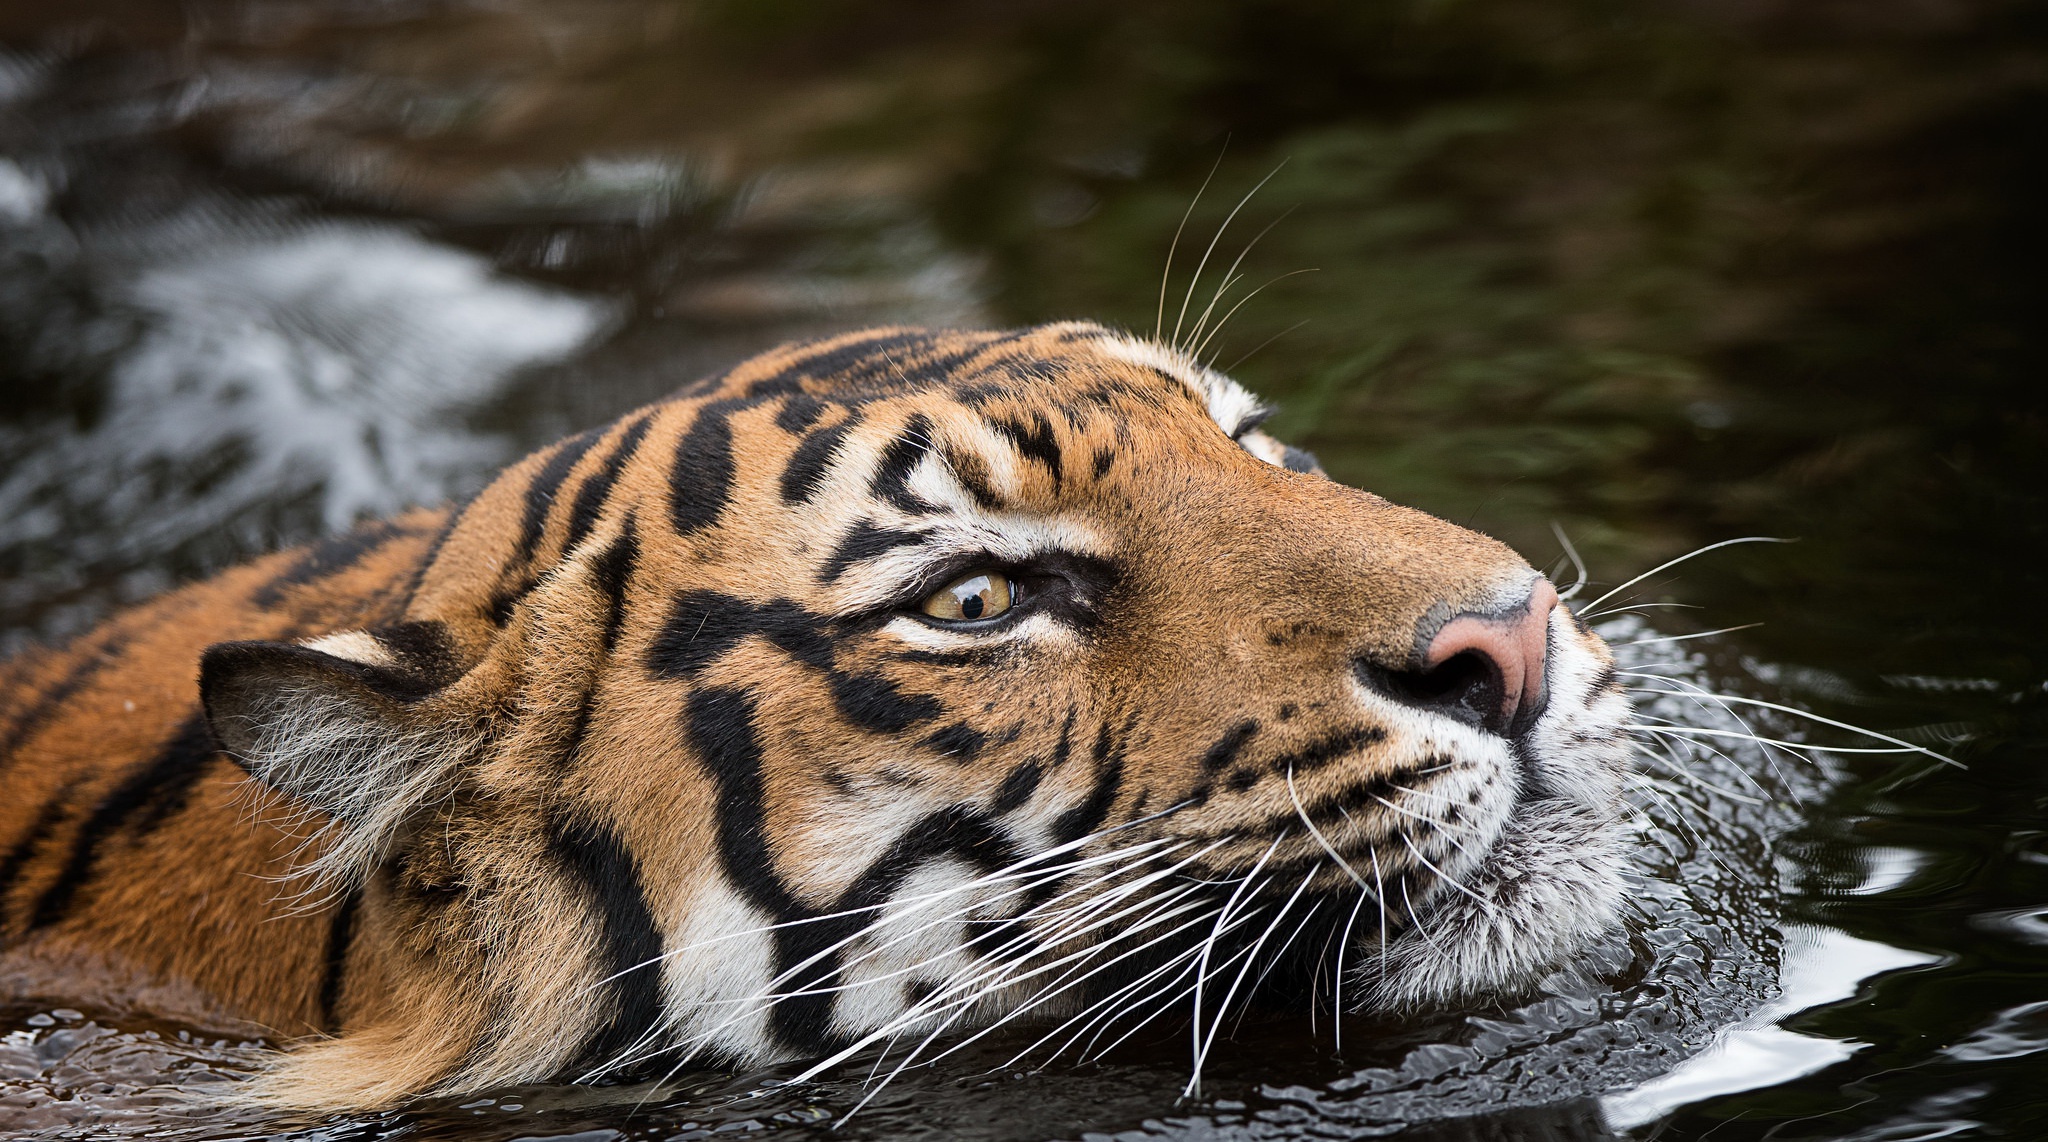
1658 274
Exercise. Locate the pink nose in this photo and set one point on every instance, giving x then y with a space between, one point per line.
1509 648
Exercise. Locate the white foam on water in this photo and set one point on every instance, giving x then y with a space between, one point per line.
334 359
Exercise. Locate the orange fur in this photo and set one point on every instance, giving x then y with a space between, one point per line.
538 759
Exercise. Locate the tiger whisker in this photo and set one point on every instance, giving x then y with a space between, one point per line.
1223 1008
1242 358
1231 275
1197 351
1160 914
1088 903
1106 1010
1230 278
1443 826
1578 564
1701 695
1380 898
1337 984
1610 611
1019 868
1698 692
1672 799
1667 747
1203 264
960 1004
1690 778
1485 905
1160 1000
1593 608
1273 961
1069 932
1302 812
1421 929
1208 948
1687 637
1081 974
1166 276
1794 747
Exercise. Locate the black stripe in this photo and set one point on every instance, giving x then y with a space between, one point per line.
1037 442
153 792
957 831
433 552
1065 748
875 704
1327 749
701 481
703 625
799 412
865 541
541 492
892 475
812 458
1089 815
897 373
1017 788
720 725
613 570
330 556
340 935
862 358
89 663
608 877
425 649
590 498
971 473
960 742
25 849
1226 749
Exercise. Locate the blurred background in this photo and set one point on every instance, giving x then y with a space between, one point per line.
1648 273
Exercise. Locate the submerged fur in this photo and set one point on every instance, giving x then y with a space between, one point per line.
645 755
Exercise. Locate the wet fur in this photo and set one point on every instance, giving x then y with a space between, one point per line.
451 784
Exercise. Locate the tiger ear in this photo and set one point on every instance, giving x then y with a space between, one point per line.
345 724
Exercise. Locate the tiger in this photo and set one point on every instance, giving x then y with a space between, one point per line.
898 683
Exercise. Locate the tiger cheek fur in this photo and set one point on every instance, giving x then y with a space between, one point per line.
649 754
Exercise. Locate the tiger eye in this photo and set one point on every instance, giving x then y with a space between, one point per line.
982 595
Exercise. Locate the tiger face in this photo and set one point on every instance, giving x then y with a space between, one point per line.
909 681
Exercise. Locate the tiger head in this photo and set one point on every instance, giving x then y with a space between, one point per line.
911 680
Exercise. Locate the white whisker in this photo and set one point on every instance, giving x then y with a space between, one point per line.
1592 608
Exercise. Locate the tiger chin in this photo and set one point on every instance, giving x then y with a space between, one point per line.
883 689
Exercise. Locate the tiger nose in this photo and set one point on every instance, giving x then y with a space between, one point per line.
1486 669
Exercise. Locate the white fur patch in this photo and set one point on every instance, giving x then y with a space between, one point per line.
354 645
716 974
1230 405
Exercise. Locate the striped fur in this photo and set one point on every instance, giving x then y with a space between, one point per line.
644 753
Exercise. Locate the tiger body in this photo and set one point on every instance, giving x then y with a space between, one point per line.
648 754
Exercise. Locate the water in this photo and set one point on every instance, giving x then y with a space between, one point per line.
1658 274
